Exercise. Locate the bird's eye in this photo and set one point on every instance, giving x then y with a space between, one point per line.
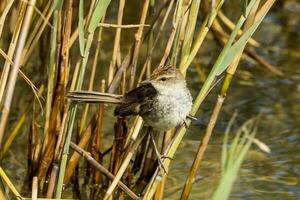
163 79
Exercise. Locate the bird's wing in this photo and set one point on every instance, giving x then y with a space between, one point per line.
137 101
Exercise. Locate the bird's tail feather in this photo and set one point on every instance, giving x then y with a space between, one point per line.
94 97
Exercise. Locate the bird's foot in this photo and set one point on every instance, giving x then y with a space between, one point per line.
160 159
191 117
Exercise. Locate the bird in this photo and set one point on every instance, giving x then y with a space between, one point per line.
164 101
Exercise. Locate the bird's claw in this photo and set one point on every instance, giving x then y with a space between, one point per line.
161 165
191 117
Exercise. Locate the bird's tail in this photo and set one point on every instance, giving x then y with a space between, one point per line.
94 97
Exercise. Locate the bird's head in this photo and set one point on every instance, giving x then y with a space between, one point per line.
166 76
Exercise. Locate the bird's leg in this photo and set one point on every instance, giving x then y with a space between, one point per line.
160 157
191 117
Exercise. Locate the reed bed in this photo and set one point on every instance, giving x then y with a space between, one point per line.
67 140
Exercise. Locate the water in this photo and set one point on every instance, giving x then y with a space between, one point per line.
255 91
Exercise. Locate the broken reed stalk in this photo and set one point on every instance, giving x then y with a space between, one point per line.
34 192
15 69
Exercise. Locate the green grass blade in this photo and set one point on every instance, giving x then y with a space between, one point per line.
240 44
219 67
98 13
234 162
81 27
244 4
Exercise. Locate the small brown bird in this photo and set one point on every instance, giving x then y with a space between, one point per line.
163 102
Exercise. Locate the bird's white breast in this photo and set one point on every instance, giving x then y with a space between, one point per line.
171 106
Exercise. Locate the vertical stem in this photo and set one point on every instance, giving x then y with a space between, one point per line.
201 149
116 49
11 50
72 120
138 37
15 68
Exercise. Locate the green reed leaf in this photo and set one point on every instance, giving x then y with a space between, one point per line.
81 27
98 13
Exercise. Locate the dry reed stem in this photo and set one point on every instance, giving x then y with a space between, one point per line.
4 14
131 150
61 138
120 26
13 134
74 158
28 81
161 187
52 181
150 53
34 191
63 70
11 51
116 48
10 184
126 61
134 131
6 57
189 30
137 45
97 140
35 35
169 45
102 169
201 149
15 68
2 195
183 66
